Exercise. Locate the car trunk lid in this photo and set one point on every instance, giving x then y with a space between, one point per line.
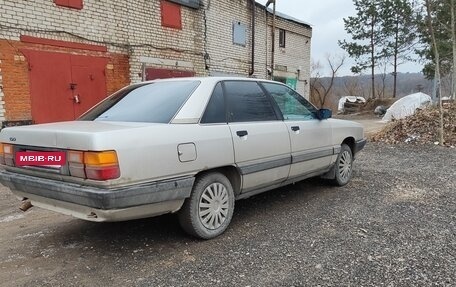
78 135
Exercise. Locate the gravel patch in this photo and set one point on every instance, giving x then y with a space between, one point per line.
393 225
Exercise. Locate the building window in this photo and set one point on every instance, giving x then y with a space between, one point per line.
76 4
281 38
239 33
171 15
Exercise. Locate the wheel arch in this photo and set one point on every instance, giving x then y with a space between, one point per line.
231 172
350 141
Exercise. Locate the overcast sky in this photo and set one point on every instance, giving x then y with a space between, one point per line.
326 18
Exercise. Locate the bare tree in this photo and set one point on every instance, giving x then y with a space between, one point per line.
381 85
321 88
352 87
437 66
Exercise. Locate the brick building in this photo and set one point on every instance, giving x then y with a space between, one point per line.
59 57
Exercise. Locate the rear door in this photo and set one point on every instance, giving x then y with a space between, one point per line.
311 147
261 141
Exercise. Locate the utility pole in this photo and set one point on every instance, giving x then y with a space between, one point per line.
272 34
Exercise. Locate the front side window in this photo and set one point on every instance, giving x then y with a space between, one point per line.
292 105
151 103
247 102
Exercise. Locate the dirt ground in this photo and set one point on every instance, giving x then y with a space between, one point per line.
393 225
370 122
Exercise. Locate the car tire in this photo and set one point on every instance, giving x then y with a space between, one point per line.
208 211
343 166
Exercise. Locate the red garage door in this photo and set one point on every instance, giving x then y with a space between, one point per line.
63 86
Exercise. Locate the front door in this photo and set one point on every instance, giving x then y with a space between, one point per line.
310 138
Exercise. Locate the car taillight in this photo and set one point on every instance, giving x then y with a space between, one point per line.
102 165
76 163
2 156
7 154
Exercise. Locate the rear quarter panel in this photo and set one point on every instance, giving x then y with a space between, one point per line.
147 154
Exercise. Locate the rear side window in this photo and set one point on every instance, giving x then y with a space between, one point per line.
247 102
152 103
292 105
215 110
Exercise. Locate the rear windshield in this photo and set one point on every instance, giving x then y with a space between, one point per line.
152 103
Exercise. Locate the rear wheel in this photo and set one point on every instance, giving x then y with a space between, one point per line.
208 211
343 166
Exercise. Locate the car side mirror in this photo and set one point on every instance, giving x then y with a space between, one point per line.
324 114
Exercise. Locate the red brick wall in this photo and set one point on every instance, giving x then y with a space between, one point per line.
117 72
14 69
16 88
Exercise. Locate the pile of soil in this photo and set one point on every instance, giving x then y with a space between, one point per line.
421 128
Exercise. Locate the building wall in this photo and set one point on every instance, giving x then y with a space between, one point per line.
228 58
15 75
131 31
14 69
155 46
2 94
94 24
224 56
296 54
135 39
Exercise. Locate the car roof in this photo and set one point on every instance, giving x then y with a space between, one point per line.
210 79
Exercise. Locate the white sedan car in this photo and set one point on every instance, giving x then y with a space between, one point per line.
189 145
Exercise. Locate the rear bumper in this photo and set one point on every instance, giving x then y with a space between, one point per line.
359 145
98 198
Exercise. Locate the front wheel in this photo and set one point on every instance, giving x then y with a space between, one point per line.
208 211
343 166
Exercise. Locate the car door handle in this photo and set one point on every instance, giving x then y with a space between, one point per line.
242 133
295 128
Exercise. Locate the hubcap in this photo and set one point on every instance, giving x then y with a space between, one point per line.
213 206
345 166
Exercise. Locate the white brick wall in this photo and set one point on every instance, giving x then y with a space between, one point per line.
134 28
229 58
296 54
